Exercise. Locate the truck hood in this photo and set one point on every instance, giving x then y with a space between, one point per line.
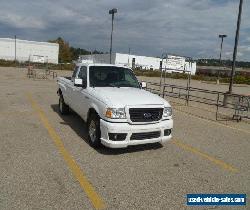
121 97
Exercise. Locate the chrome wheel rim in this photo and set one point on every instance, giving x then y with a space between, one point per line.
92 131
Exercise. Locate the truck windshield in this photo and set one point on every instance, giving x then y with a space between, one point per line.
111 76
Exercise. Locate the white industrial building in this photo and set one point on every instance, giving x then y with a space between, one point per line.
24 50
171 64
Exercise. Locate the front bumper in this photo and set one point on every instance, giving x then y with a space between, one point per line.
108 127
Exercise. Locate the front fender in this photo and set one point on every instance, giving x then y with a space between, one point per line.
100 110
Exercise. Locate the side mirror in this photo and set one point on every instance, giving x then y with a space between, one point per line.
143 85
80 83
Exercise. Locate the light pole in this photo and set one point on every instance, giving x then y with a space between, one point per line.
222 36
111 12
235 47
15 49
128 55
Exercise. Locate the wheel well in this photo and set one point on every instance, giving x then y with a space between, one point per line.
90 112
59 92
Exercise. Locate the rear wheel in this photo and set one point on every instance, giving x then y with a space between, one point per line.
94 132
63 108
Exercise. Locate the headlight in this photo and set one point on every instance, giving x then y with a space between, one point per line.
167 112
115 113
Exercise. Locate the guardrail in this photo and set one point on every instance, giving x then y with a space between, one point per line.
240 104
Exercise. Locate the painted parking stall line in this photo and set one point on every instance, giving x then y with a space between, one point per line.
212 159
93 196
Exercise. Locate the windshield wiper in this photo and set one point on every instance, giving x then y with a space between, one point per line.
126 85
111 85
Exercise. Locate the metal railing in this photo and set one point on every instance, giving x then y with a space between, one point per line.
154 88
40 73
238 104
242 107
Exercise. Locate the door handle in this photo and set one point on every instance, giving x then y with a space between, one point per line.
86 97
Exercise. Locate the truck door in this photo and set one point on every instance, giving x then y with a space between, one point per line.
70 87
80 95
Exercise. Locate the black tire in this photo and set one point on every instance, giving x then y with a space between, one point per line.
94 132
63 108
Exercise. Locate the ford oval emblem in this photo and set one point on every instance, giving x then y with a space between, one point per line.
147 115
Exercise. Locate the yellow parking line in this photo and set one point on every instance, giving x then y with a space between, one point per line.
214 160
211 121
96 200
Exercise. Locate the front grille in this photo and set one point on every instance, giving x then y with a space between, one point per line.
147 135
145 114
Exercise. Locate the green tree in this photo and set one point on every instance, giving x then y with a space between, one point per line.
65 55
68 53
76 52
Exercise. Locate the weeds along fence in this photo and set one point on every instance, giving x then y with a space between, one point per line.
228 106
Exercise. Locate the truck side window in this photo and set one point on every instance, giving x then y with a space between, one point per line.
83 73
75 71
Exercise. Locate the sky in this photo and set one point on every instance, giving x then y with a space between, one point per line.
147 27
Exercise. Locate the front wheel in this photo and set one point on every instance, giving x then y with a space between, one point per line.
63 108
94 132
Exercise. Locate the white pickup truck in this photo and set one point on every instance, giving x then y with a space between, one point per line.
116 109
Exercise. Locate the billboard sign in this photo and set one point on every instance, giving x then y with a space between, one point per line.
175 62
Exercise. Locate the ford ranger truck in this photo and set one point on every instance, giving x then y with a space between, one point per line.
117 110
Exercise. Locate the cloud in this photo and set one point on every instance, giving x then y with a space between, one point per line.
148 27
18 21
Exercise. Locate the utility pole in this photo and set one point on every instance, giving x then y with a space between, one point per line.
111 12
235 47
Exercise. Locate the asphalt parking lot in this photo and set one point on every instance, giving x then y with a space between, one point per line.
46 162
